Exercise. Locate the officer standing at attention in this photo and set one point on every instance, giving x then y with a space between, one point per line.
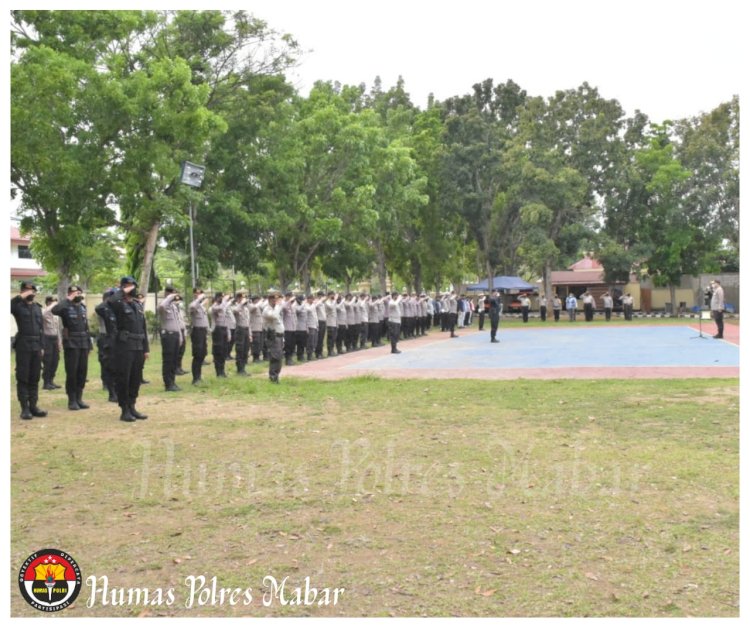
105 344
131 349
274 330
495 308
220 334
394 321
198 333
76 345
542 307
242 333
183 332
320 310
171 338
51 343
28 345
607 302
289 319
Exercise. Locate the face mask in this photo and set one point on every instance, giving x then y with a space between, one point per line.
77 299
128 290
30 298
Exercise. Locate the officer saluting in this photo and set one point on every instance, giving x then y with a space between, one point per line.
274 328
28 347
131 348
76 345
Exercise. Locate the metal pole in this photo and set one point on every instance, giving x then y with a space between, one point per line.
192 244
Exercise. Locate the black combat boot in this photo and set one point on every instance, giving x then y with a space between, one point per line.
135 413
126 415
79 401
73 402
34 408
25 410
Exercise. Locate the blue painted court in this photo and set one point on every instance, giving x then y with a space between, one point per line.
560 347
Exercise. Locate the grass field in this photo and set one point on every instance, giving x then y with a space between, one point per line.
449 498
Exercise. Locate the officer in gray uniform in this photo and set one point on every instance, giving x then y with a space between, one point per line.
300 334
274 331
242 335
76 345
332 325
52 342
320 310
220 334
341 319
170 331
183 332
255 309
312 327
290 327
198 333
232 329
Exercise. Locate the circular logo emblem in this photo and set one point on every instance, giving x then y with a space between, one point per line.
50 580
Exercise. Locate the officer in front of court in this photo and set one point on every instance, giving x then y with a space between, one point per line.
273 326
198 334
76 345
28 346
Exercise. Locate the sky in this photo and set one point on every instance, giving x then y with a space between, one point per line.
668 59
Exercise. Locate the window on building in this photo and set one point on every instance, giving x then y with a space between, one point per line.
24 252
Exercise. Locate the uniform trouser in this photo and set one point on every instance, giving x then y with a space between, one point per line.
256 346
481 321
51 358
556 314
28 372
718 316
230 341
199 340
364 332
76 369
394 330
351 332
289 344
321 338
181 350
219 348
129 373
170 347
572 314
372 330
628 309
300 341
494 322
525 314
341 338
588 312
242 347
104 346
331 338
275 344
451 324
543 312
312 342
607 313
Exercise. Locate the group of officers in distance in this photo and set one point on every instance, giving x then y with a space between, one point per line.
276 328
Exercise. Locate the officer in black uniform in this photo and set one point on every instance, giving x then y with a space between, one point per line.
105 344
76 345
495 308
28 345
131 348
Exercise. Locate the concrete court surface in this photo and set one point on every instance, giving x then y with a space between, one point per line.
560 351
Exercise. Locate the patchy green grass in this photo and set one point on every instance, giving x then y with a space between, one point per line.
435 498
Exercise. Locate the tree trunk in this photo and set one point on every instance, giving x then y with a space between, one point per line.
149 251
672 297
380 262
63 272
547 279
490 277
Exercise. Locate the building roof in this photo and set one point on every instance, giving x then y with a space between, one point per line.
502 282
17 238
577 277
25 273
587 263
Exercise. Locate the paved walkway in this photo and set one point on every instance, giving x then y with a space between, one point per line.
554 352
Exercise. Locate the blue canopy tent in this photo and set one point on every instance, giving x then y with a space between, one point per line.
504 284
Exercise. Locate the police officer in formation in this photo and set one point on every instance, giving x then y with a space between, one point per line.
170 330
242 336
52 344
28 347
105 344
273 326
76 345
220 334
198 334
131 348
